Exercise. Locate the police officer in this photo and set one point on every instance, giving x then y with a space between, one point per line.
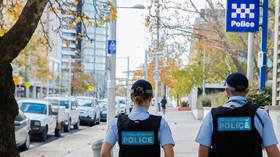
139 134
238 128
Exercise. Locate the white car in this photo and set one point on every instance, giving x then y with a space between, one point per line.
121 105
89 110
22 128
71 108
43 120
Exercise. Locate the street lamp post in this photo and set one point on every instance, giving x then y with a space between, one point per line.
146 66
157 58
111 84
112 74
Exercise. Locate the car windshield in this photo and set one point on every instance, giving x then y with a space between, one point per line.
83 102
87 105
64 103
38 108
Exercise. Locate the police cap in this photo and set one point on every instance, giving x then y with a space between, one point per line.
237 82
141 87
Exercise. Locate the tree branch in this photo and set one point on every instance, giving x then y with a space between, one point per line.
19 35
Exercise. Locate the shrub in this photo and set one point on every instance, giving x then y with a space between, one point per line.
260 98
216 99
184 104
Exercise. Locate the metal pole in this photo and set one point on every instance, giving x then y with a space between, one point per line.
112 75
70 76
146 65
275 53
156 82
250 68
264 46
157 53
204 73
127 82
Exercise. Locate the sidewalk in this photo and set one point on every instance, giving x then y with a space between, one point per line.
182 124
184 129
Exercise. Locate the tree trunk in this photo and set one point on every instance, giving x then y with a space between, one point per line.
11 45
8 112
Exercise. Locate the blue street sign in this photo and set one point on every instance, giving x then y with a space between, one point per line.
112 47
242 15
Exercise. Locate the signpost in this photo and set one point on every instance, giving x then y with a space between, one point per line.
90 88
242 16
112 47
27 84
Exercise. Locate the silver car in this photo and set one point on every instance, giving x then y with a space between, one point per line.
22 128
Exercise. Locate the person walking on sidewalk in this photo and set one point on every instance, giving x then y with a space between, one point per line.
238 128
139 134
163 104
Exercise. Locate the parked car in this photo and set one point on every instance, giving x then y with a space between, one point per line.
43 120
121 107
22 128
89 110
71 108
103 111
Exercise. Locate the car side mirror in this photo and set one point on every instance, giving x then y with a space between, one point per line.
17 123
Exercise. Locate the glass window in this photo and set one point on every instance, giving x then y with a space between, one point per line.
33 108
88 105
64 103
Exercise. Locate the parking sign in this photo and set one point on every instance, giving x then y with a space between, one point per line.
242 15
112 46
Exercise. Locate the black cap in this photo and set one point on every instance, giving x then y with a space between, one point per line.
237 82
141 87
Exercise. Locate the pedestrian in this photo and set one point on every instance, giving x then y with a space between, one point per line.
238 128
139 134
163 104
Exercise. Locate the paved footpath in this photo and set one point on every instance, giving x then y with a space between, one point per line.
184 129
183 126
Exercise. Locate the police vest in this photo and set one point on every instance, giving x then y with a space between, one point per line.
234 132
139 138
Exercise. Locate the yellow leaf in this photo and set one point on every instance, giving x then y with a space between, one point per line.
148 22
55 10
2 32
113 13
78 19
43 40
16 80
71 26
67 43
68 11
89 23
101 22
108 18
75 2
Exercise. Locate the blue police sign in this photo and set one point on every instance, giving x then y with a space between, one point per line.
137 137
234 124
112 47
242 15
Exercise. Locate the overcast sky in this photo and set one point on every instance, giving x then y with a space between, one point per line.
131 32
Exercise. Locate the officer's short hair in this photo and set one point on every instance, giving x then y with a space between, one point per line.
237 82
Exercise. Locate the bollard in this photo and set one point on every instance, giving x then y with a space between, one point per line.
96 148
